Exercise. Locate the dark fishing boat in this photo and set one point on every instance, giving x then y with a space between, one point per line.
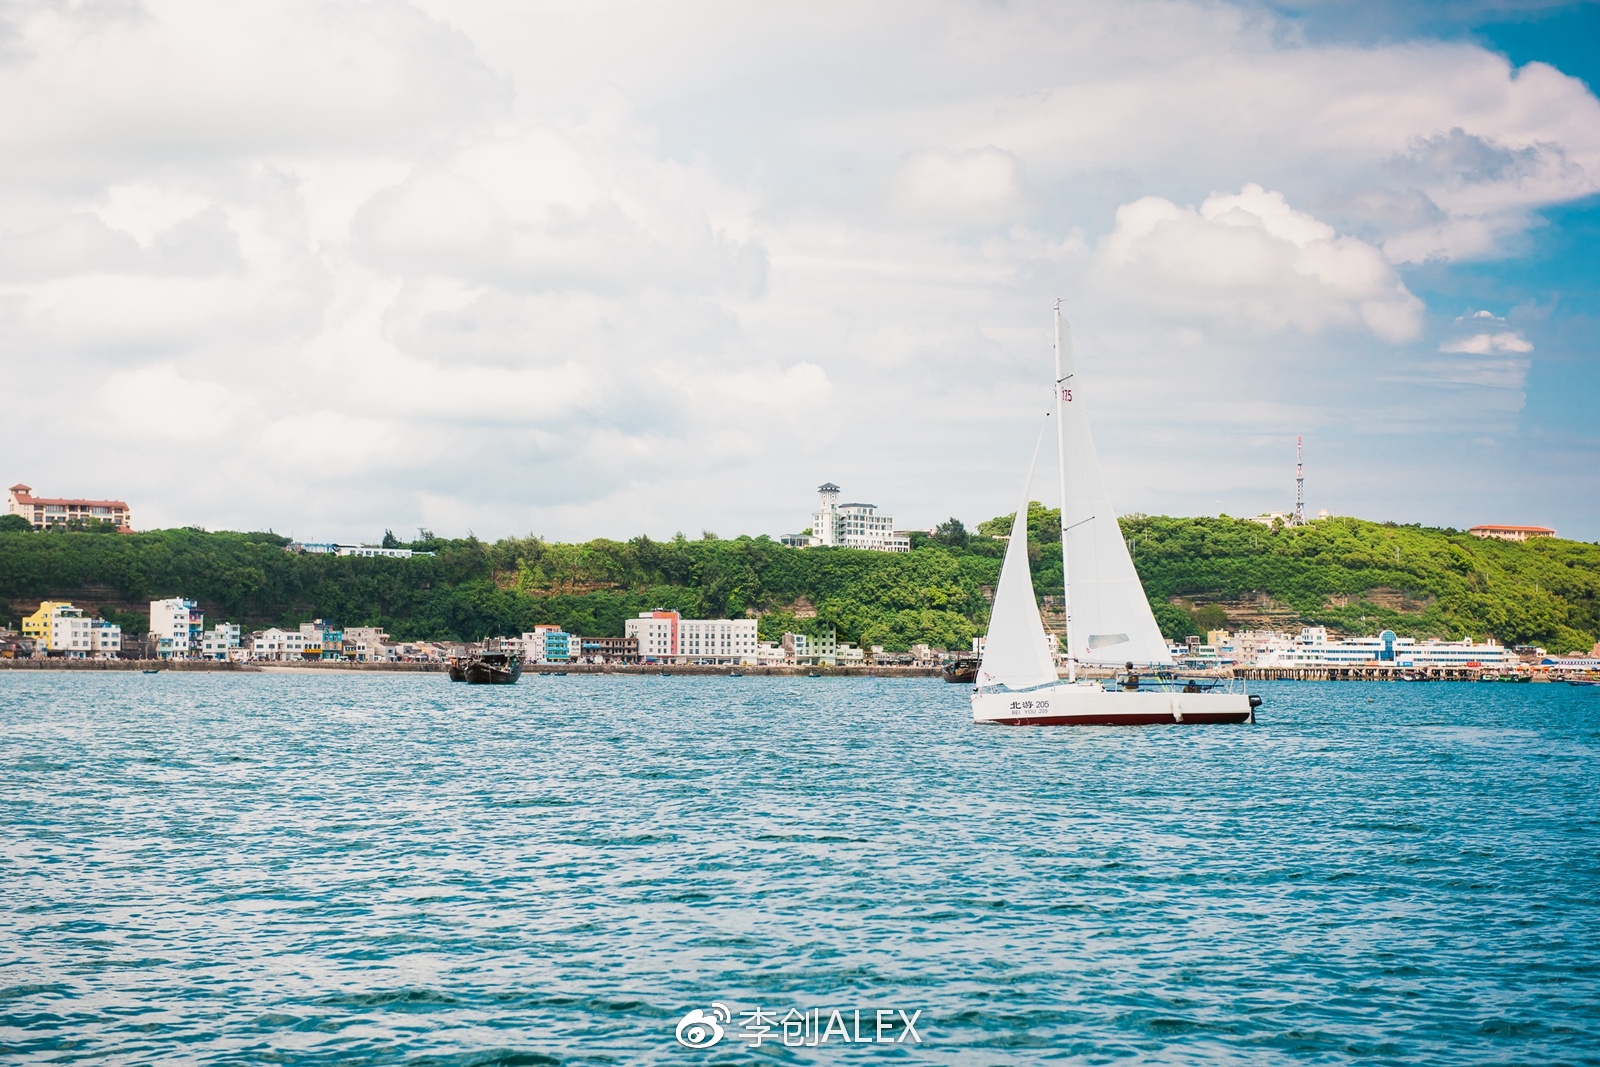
960 670
486 668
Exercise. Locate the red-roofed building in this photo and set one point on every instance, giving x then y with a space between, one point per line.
1511 533
45 512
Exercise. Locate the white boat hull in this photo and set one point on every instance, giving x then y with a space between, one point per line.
1093 705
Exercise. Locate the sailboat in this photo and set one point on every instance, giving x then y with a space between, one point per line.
1108 618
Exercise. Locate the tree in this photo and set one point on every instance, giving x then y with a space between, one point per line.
952 533
390 540
15 524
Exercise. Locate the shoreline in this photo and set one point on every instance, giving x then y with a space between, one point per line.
1256 674
532 670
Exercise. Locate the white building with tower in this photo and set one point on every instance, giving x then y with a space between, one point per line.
836 525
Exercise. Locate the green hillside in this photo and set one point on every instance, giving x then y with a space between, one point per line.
1349 574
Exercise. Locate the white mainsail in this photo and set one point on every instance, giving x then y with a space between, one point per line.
1110 620
1017 652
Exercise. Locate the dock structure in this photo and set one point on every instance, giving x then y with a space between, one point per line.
1374 672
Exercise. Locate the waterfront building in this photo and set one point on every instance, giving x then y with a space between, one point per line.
548 644
37 625
220 640
805 650
771 654
105 639
666 637
277 645
1314 648
321 640
62 630
44 512
365 644
1510 533
836 525
1576 661
607 649
176 626
68 634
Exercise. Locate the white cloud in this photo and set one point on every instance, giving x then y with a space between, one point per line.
1252 260
651 269
982 185
1483 344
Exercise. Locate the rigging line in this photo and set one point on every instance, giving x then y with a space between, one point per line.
1027 489
1074 526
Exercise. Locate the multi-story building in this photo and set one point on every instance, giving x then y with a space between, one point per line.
1510 533
62 630
37 625
321 640
657 634
836 525
607 649
105 639
45 512
666 637
365 644
547 644
69 633
276 645
176 625
804 649
218 641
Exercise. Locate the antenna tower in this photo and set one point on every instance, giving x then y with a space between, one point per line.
1299 485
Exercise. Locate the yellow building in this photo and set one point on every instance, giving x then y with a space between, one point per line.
37 625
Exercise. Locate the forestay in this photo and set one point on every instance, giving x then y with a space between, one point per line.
1111 619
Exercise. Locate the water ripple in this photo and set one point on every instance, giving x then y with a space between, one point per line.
375 870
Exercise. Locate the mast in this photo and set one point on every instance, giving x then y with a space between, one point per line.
1063 397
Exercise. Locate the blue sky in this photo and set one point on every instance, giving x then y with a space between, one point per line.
593 269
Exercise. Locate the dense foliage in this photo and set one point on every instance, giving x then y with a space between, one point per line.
1355 576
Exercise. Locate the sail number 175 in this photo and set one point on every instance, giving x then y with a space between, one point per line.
1066 394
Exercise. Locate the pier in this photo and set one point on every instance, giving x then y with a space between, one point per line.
1366 673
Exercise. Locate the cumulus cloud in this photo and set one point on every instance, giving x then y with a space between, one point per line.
1483 344
602 269
1251 258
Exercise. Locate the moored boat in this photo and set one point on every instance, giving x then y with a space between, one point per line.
485 668
963 669
1108 618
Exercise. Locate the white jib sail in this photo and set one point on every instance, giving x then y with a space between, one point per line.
1017 652
1111 619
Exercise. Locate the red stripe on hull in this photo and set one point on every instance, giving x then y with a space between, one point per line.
1144 719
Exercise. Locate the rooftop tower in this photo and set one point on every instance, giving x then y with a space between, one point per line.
1299 485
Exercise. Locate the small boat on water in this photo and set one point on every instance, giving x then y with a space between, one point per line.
963 669
486 668
736 674
151 670
1108 618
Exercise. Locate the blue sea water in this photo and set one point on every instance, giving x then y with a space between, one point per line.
318 869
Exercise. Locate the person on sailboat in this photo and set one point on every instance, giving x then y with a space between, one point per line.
1131 682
